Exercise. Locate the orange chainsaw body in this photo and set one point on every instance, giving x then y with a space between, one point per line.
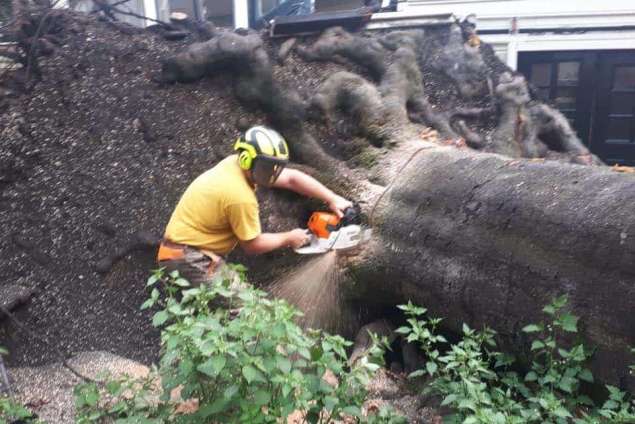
323 223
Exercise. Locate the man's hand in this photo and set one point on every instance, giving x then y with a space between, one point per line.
298 238
338 204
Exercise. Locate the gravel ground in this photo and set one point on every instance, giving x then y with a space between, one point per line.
48 390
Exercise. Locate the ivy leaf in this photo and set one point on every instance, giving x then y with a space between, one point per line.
431 367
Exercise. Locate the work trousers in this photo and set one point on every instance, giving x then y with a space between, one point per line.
197 267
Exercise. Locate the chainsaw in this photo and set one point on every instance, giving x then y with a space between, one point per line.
329 232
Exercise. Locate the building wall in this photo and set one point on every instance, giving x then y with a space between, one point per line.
514 26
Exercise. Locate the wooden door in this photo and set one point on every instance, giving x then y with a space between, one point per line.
565 80
614 139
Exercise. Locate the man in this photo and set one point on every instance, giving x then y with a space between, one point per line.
220 210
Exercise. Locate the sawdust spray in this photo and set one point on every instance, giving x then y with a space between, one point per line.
314 288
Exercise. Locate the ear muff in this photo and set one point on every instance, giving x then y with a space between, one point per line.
245 160
247 154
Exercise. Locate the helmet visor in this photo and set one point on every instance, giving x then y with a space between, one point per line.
266 171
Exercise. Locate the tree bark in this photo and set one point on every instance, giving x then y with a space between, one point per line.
488 240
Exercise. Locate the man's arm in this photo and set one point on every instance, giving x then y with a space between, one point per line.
301 183
272 241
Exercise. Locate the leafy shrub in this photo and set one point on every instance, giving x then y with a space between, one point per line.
482 385
252 364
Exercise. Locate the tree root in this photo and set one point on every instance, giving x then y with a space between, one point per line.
254 85
463 64
356 97
531 130
337 43
382 111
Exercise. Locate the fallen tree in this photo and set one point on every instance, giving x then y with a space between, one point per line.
410 123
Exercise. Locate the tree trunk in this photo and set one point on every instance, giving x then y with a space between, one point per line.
487 240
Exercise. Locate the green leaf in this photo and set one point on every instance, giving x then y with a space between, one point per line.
213 366
562 412
252 374
304 352
415 374
230 391
549 310
449 399
586 375
152 280
147 304
160 318
182 282
537 344
284 364
532 328
431 367
113 387
3 351
330 402
352 410
262 397
569 323
531 376
208 410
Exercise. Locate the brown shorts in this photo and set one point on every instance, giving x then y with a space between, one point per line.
197 267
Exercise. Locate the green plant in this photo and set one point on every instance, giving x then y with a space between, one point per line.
482 385
251 364
11 411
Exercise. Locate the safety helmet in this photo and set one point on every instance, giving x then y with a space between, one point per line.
264 152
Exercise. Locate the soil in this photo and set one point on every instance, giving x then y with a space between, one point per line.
96 152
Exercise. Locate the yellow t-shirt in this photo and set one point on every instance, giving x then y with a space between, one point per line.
217 209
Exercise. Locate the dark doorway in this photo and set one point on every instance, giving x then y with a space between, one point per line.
595 90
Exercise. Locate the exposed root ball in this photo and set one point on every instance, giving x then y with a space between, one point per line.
336 42
356 97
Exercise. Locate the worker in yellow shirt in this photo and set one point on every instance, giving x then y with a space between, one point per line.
220 210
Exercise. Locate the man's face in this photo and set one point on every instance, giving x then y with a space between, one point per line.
266 171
